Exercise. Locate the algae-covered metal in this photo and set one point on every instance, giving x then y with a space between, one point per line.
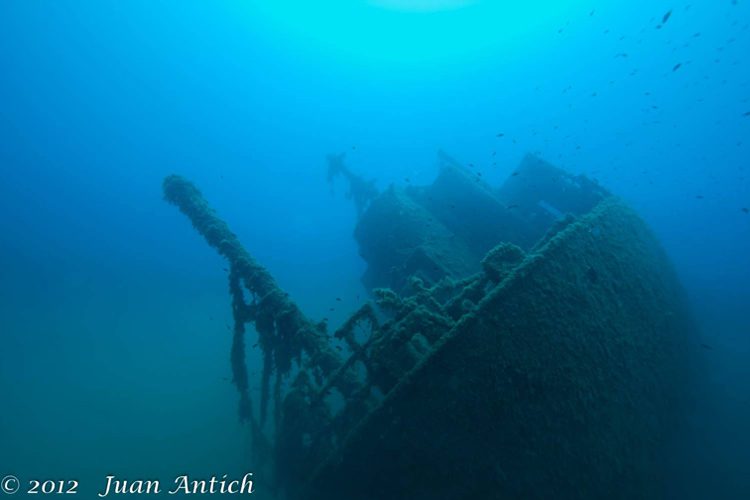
523 342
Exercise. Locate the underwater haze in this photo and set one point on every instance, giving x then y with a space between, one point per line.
115 315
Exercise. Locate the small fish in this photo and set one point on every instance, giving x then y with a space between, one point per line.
745 210
338 299
621 54
510 207
746 114
666 17
706 346
699 196
500 135
676 66
515 174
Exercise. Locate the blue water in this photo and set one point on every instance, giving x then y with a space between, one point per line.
114 313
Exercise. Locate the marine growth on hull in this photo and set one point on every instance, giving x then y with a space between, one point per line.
527 340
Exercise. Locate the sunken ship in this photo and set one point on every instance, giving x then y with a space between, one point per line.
523 341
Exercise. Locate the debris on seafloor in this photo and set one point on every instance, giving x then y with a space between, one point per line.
515 342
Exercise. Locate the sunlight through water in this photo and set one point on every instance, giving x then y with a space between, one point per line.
418 32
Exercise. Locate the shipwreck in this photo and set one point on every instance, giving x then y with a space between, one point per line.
523 341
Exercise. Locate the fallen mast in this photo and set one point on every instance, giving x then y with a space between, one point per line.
285 333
